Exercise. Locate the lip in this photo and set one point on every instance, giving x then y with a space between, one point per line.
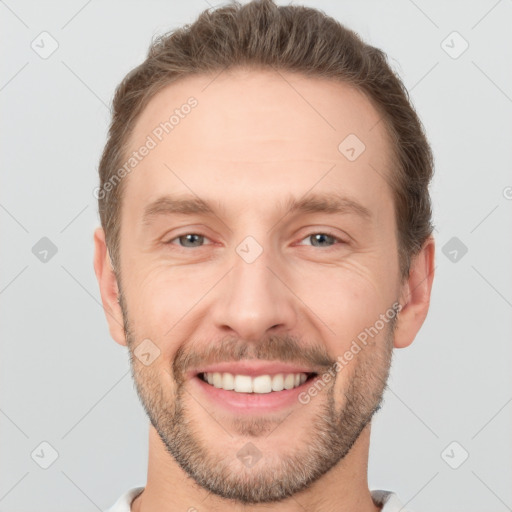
252 368
250 403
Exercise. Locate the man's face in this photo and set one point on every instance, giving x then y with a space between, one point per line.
273 280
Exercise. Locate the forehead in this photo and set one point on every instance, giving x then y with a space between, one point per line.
259 129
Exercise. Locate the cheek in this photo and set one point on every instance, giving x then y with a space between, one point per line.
161 302
160 289
344 300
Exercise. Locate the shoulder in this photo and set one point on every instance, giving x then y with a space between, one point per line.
388 501
124 502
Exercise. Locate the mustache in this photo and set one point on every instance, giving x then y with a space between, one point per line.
288 349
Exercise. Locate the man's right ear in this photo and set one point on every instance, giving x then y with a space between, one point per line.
109 289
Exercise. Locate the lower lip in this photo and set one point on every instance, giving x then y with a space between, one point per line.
250 403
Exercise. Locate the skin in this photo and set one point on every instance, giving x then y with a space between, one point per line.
250 144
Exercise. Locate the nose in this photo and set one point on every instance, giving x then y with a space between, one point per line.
253 300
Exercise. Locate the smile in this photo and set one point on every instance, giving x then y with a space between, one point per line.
254 384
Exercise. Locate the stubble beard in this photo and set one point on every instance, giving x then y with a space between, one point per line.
331 433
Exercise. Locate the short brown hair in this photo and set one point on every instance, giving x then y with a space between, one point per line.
290 38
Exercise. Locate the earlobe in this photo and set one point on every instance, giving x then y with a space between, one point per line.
415 295
109 288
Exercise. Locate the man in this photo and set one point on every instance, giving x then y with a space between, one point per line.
265 244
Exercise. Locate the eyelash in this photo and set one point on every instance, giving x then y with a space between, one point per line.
328 233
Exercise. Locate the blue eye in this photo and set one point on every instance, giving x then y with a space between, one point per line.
322 240
193 240
189 240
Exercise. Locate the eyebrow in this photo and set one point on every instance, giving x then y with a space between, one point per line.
311 203
168 205
328 203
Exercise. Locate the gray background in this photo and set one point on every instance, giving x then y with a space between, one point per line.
65 382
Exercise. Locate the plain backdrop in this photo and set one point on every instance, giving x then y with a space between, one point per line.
65 383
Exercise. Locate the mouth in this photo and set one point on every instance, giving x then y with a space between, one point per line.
260 384
253 387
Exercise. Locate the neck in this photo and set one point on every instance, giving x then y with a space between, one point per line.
342 489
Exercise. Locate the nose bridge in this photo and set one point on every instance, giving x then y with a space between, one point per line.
252 299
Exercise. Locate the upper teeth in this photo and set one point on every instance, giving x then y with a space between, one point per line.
259 384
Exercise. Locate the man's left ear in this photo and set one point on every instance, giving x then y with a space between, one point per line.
415 295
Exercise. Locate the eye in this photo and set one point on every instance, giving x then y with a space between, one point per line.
192 240
321 240
189 240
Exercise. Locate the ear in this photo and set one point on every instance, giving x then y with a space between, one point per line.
108 287
415 295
